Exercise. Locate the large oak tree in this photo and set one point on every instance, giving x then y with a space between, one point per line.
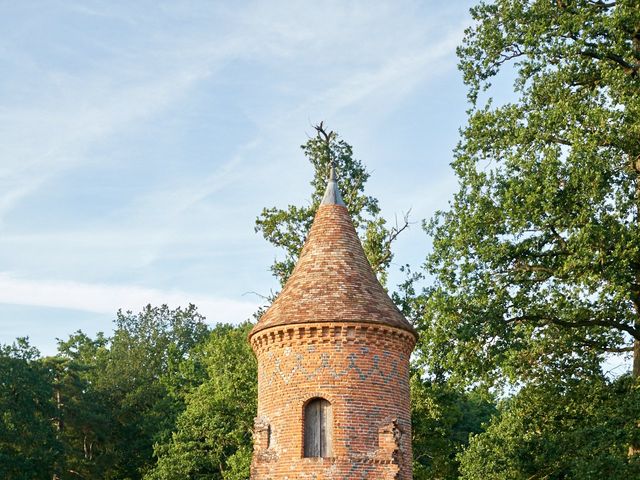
537 260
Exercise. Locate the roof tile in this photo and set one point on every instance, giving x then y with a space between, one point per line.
333 280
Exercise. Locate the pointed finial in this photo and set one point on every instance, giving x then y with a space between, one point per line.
332 173
332 193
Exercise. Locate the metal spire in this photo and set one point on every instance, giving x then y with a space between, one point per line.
332 193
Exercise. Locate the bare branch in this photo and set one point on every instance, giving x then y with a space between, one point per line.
558 237
604 348
629 68
548 319
325 136
259 295
393 234
601 4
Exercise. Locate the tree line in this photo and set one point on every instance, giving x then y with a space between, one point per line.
530 290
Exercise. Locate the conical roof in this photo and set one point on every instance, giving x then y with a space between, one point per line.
333 280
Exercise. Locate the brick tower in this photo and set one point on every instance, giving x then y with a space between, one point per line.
333 365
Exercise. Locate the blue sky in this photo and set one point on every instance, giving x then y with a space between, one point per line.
139 141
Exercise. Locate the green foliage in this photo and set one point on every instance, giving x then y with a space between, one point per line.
80 417
212 439
574 430
82 413
145 351
288 228
443 418
114 397
537 261
28 444
536 264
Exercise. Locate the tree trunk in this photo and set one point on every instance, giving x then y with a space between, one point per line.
636 359
634 448
59 424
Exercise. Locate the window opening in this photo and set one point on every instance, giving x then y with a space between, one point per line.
318 424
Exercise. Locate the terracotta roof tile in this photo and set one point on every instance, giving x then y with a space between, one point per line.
332 281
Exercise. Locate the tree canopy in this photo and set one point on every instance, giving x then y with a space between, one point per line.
28 444
537 260
212 436
287 228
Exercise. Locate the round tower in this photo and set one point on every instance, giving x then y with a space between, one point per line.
333 365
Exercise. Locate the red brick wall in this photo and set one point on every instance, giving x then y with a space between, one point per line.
363 370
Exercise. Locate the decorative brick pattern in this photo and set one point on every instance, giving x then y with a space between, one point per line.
333 333
364 372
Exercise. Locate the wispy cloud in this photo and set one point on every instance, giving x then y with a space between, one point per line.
139 143
100 298
39 142
357 52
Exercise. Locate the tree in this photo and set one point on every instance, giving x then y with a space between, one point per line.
537 261
115 397
82 414
444 414
576 429
443 418
288 228
146 349
28 444
213 435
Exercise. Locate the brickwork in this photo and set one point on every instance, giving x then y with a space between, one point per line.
333 333
363 371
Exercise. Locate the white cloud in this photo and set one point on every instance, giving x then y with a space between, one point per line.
77 96
101 298
365 55
40 142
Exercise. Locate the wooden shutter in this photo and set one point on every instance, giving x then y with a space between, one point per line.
326 430
318 423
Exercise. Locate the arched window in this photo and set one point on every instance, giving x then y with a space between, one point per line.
318 426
